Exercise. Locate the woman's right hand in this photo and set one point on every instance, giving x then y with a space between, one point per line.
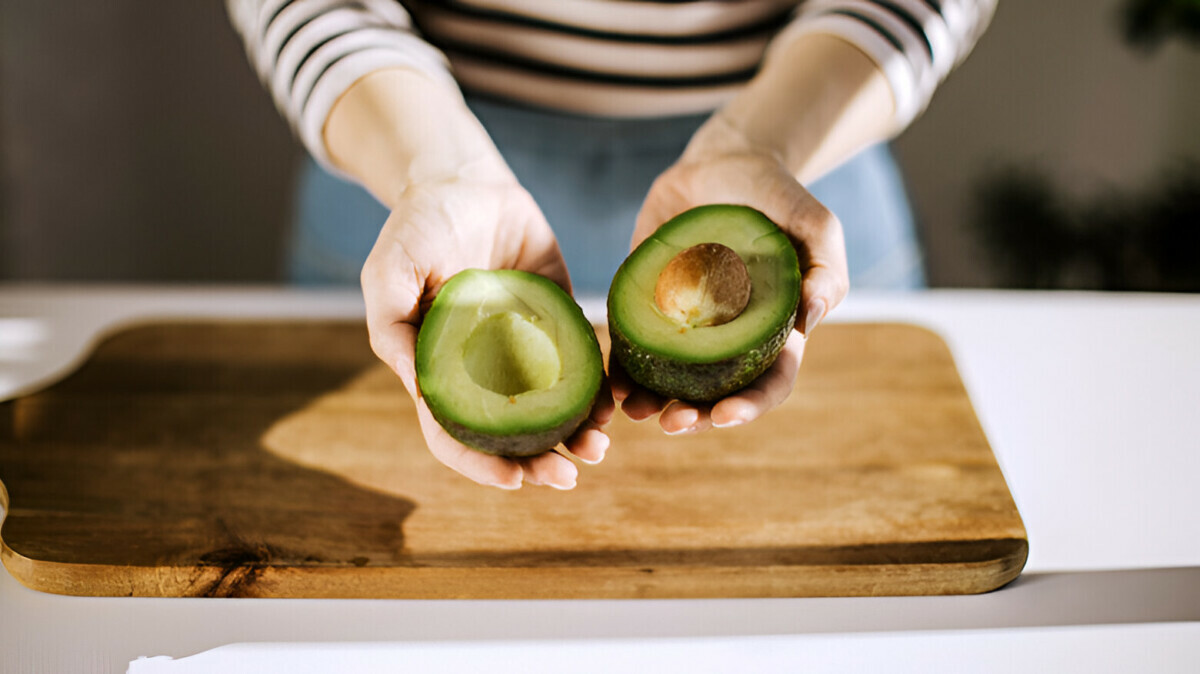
455 205
479 219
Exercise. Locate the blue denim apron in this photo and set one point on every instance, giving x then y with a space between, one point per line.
590 175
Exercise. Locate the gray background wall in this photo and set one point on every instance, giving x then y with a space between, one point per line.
137 145
1051 85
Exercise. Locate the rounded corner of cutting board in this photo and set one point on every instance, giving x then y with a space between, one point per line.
921 329
37 575
917 331
1015 563
22 568
998 573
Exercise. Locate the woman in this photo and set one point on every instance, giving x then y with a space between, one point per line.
591 116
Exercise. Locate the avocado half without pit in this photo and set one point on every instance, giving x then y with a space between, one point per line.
705 304
507 362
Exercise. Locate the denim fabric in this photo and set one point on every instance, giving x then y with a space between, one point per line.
590 176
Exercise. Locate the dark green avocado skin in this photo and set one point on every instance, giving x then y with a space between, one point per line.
696 382
514 445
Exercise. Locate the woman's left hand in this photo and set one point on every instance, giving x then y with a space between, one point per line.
720 167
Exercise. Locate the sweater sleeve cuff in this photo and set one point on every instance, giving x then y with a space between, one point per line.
326 87
309 52
896 69
914 43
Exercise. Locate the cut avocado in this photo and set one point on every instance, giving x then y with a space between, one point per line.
507 362
673 312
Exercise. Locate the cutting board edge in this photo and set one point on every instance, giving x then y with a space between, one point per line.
518 583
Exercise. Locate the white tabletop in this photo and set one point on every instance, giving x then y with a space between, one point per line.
1091 402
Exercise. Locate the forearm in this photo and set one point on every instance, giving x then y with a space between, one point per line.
396 127
309 55
814 105
848 73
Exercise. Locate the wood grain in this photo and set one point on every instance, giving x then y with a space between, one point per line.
282 460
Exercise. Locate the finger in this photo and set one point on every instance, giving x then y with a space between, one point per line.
642 404
604 407
681 417
588 443
392 300
820 244
539 251
663 202
483 468
636 402
396 345
550 469
764 393
821 290
618 381
543 257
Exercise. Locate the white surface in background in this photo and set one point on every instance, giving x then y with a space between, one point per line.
1090 401
47 331
1115 649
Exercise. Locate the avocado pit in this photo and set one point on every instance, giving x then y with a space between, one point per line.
704 285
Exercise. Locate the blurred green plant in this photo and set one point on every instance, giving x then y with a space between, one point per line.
1149 23
1145 239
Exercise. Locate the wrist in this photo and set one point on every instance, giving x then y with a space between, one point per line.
722 137
397 128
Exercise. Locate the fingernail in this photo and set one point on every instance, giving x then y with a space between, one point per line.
603 451
813 313
685 414
636 420
687 429
593 461
681 431
728 424
562 487
507 486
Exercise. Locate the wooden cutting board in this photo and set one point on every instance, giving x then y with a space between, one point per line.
282 460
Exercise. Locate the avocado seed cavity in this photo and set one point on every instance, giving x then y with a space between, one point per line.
510 355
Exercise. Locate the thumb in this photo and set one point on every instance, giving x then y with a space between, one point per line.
393 313
662 203
539 251
396 345
820 246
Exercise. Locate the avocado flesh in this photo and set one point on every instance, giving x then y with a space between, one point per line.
507 362
703 364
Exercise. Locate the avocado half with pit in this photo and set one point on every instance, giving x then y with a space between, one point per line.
704 305
507 362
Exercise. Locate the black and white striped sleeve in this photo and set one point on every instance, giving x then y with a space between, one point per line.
916 43
308 52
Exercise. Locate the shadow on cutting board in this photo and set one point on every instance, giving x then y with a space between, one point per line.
143 473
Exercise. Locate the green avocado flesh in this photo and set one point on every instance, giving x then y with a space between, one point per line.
507 362
703 364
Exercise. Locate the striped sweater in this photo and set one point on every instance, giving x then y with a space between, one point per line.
633 58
